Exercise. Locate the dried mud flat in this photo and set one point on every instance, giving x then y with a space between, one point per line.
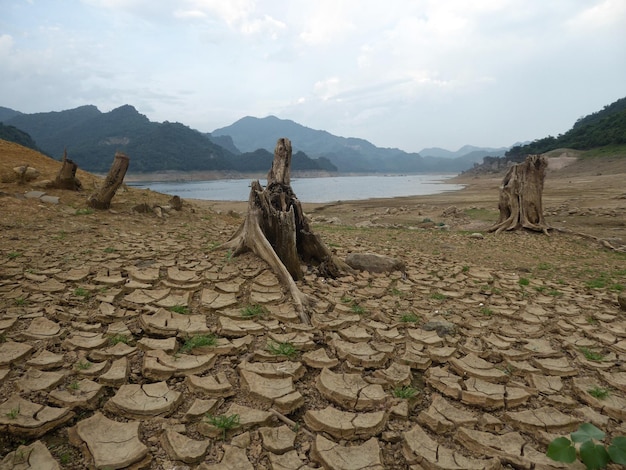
486 349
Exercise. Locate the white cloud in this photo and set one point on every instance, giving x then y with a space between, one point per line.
6 44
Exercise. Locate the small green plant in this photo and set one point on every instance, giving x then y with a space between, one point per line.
82 365
591 320
14 254
229 256
85 211
254 311
405 392
438 296
282 349
409 318
591 355
65 458
486 311
198 341
466 269
523 281
555 293
223 422
118 338
592 454
20 302
74 385
544 266
182 309
109 249
599 392
81 292
358 309
13 414
346 300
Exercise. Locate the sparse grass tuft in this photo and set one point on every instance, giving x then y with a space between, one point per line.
74 385
591 355
254 311
599 392
14 413
20 302
119 338
198 341
109 249
358 309
524 281
14 254
486 311
438 296
82 365
223 422
409 318
81 292
405 392
85 211
182 309
282 349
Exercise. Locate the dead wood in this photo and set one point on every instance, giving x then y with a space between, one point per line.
276 230
521 197
102 198
66 178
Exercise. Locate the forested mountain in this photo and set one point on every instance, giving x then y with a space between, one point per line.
13 134
604 127
92 138
348 154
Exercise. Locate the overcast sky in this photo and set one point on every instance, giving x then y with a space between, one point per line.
399 73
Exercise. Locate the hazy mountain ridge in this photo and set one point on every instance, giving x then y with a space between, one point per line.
92 138
349 154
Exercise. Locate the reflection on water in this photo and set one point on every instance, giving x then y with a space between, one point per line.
328 189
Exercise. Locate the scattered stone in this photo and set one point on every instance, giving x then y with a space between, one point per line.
374 263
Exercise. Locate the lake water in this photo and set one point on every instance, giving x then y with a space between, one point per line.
327 189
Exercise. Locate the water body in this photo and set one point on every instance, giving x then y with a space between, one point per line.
327 189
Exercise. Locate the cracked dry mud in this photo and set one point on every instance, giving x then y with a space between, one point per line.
459 363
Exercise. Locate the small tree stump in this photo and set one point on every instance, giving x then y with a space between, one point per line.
276 230
66 178
520 197
102 198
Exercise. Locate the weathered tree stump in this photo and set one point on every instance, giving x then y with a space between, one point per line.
101 199
66 178
276 230
520 197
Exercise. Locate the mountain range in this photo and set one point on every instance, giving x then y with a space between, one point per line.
92 137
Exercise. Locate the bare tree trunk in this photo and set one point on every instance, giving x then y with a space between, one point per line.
66 179
102 198
520 197
276 229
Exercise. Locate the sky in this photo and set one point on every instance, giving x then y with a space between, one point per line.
400 73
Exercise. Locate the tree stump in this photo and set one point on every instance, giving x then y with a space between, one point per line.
101 199
66 178
276 230
520 197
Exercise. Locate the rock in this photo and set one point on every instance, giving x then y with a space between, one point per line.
26 173
374 263
442 327
477 236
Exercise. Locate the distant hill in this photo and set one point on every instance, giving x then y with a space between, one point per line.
604 127
348 154
13 134
467 151
7 113
92 138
